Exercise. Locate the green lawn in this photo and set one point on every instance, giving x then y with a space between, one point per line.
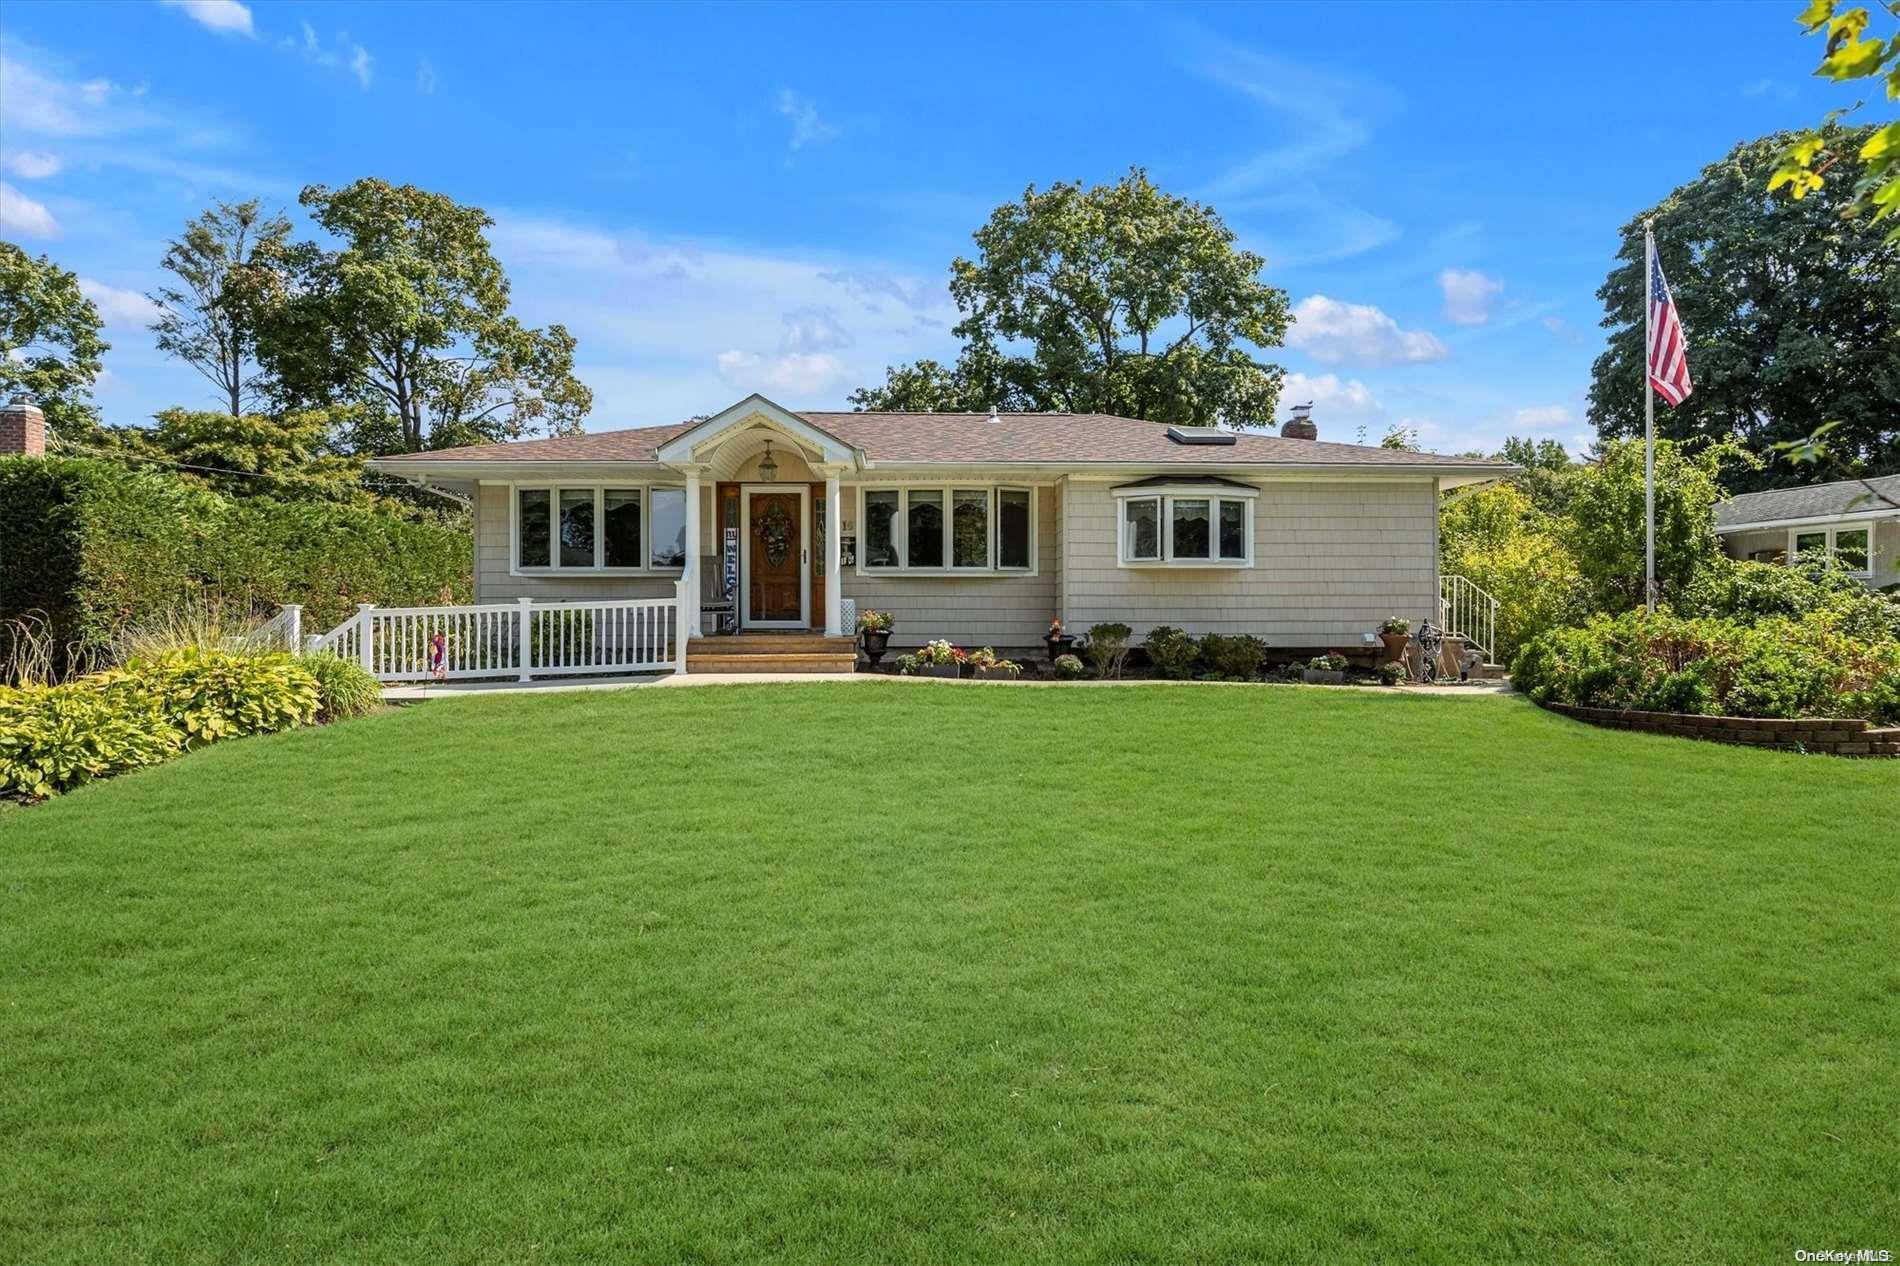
954 974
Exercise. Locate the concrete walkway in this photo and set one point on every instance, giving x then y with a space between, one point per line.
411 692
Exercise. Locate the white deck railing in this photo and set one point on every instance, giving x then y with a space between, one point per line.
521 639
1469 612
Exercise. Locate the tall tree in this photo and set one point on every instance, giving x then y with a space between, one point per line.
1792 314
1115 299
227 263
49 342
1604 525
410 315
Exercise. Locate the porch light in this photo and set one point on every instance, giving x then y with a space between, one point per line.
768 469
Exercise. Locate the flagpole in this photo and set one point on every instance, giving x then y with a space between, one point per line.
1649 428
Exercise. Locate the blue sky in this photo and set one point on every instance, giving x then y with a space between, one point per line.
724 199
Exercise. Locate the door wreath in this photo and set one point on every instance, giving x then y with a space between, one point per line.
775 533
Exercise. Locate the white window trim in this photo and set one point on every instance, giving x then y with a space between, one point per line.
1833 530
1165 496
553 567
901 530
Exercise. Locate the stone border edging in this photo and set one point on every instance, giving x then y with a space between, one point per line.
1836 736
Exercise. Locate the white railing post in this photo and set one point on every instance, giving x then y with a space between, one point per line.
682 627
293 627
525 640
365 631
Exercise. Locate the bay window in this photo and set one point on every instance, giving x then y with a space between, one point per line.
586 528
946 529
1185 525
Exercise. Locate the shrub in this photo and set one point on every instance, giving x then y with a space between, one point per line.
1232 658
987 658
1775 667
938 653
1108 647
207 695
1171 651
1392 672
1753 591
344 687
99 546
1068 666
907 665
55 738
1330 662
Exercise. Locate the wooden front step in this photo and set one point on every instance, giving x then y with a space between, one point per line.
773 644
770 661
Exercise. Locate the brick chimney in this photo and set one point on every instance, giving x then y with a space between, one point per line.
22 428
1300 425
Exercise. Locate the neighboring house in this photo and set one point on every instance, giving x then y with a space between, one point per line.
1855 521
972 527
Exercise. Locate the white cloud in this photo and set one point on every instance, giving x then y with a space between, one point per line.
807 127
1543 417
346 55
31 164
813 329
795 375
1768 88
1334 333
1560 329
425 78
1468 295
226 17
20 214
1334 400
119 307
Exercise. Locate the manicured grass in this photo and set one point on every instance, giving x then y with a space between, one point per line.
954 974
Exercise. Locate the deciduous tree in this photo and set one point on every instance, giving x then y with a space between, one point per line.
411 315
49 342
228 263
1115 299
1792 313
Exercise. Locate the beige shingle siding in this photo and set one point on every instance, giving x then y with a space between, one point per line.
1886 547
1331 560
494 584
998 610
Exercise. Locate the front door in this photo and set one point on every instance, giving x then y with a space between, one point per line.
775 558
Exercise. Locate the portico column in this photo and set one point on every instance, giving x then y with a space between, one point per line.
693 530
834 572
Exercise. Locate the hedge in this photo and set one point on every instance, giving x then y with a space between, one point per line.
1774 667
98 546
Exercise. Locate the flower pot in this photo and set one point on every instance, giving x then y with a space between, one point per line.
1323 676
1395 644
876 642
996 674
951 671
1059 644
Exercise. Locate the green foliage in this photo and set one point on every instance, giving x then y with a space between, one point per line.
1604 525
1107 647
1393 672
874 621
1330 662
1069 667
1504 544
1113 299
1749 592
410 317
101 547
1848 55
1792 314
1395 624
207 695
1232 658
1661 662
55 738
344 687
49 342
228 263
907 665
280 455
1172 652
1545 477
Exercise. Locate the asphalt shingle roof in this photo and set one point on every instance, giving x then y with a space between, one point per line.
1849 496
1014 438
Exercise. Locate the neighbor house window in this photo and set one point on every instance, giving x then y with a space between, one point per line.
1851 546
947 529
587 528
1185 526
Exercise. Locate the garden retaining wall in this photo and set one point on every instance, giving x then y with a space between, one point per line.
1838 736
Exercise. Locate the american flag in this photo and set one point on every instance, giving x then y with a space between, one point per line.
1668 358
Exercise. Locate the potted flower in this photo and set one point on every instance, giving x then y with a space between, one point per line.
1325 670
874 630
940 659
1394 673
1070 668
1058 642
1395 633
989 666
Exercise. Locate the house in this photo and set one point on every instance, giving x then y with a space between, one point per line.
1856 522
979 528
